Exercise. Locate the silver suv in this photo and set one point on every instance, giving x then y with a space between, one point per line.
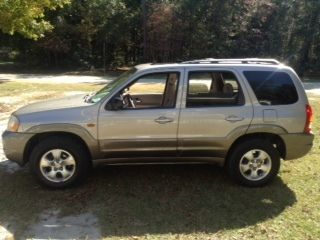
244 114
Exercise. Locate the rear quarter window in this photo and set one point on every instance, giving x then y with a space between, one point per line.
272 88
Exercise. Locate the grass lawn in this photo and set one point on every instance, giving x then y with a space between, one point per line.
16 94
170 202
16 88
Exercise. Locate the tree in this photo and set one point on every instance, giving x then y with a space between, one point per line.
27 16
311 28
111 33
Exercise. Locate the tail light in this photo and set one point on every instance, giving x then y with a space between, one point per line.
309 119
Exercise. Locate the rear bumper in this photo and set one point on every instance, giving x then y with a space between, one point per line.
297 145
14 145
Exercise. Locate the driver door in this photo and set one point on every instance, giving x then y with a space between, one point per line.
150 126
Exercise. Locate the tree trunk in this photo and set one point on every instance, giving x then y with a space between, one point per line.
312 29
144 29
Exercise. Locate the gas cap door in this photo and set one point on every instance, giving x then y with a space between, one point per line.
270 115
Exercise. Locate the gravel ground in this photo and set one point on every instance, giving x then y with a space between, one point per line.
313 88
50 225
8 166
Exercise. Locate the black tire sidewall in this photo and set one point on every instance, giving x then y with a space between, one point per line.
75 149
241 149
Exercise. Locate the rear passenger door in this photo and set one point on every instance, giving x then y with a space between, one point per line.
215 109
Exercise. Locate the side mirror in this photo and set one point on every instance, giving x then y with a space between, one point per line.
115 104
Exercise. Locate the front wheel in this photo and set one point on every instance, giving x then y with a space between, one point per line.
254 163
59 162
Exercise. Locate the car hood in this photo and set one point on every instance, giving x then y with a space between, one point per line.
55 104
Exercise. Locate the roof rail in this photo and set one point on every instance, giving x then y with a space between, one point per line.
234 60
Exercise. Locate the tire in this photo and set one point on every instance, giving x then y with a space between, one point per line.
59 162
253 163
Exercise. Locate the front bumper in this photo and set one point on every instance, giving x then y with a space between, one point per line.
297 144
14 144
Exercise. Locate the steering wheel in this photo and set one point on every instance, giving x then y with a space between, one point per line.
128 101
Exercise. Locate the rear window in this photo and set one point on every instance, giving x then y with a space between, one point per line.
272 88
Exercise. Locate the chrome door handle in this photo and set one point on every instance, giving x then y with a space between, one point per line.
163 120
234 118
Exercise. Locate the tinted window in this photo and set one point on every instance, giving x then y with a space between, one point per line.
213 89
272 88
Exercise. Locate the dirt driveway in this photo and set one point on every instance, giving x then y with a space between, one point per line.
61 79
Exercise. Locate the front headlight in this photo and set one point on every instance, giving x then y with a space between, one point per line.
13 124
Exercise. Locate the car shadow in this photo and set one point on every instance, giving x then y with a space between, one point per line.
138 200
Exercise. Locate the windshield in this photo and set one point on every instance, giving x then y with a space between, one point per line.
111 85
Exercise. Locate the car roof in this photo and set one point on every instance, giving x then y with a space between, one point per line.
241 64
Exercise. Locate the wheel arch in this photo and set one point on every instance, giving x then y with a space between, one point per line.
41 136
274 139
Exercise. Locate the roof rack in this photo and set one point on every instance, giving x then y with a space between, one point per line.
234 60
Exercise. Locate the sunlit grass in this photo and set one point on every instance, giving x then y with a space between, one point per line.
16 88
16 94
140 88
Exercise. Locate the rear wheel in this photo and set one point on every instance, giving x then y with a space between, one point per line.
59 162
254 163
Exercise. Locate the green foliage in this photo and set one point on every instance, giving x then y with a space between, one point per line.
102 33
27 16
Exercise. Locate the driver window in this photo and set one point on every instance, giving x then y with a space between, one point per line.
157 90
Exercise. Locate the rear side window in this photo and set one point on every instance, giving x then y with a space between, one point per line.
272 88
213 88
